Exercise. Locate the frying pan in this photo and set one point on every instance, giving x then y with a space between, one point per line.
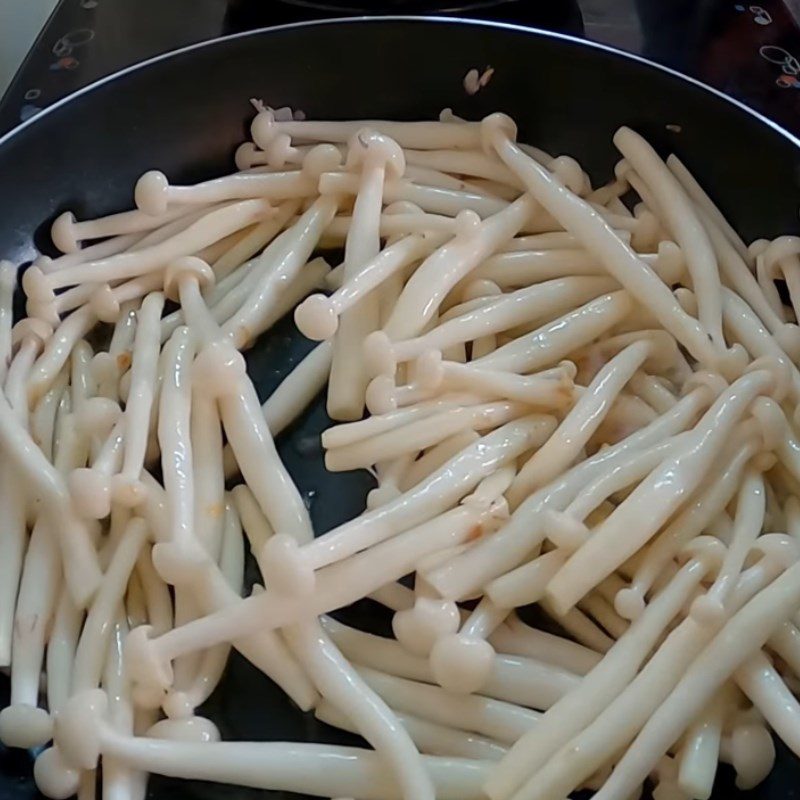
185 112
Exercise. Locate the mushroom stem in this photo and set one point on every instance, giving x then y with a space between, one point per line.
430 737
81 568
580 423
625 716
421 434
93 644
738 643
661 494
514 679
174 435
279 265
604 683
442 270
494 719
23 723
341 686
500 553
620 260
555 340
318 317
710 500
127 487
320 770
493 316
683 222
68 234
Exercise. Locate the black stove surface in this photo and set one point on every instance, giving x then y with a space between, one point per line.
748 51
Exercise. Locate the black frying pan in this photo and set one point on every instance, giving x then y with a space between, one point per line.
185 112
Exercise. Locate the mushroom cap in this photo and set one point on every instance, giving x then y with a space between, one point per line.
247 156
47 312
479 288
468 223
753 754
570 173
187 266
316 317
380 395
381 495
369 148
732 362
629 603
263 128
462 664
780 369
320 159
63 234
180 562
97 416
495 125
712 381
36 285
104 304
788 337
25 726
187 729
78 728
42 261
671 263
90 490
403 207
218 368
54 777
280 150
151 193
708 611
707 549
31 328
420 627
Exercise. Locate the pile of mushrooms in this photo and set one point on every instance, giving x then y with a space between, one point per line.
576 398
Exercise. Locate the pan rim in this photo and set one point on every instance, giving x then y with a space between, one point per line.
373 19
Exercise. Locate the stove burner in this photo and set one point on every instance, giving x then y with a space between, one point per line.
563 16
401 6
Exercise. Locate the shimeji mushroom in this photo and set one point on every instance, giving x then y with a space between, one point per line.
154 195
678 474
491 317
375 157
281 262
68 234
430 737
41 288
687 229
609 677
318 316
84 734
626 714
621 262
506 549
501 285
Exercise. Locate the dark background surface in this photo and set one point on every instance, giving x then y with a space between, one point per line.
586 95
718 41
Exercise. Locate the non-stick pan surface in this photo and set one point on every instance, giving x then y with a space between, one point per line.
185 112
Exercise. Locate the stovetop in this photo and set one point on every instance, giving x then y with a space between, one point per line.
748 51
